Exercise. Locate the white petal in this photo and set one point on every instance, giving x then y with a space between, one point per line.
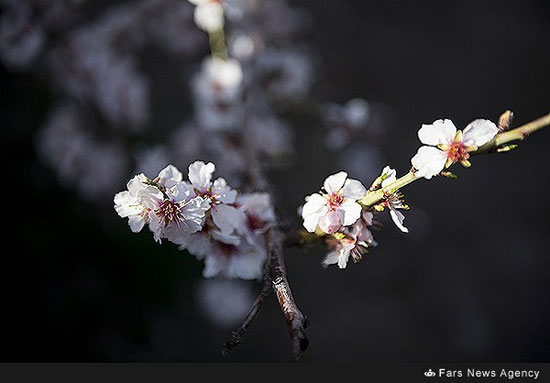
227 218
136 223
200 174
335 182
351 210
247 264
137 184
429 161
313 209
479 132
343 258
209 16
170 176
354 190
194 212
126 205
331 222
222 192
230 239
390 176
440 132
398 218
331 258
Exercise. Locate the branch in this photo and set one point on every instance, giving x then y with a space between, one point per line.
517 134
237 336
295 320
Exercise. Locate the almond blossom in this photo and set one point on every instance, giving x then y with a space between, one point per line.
353 242
208 15
226 217
394 200
166 203
337 206
218 89
452 145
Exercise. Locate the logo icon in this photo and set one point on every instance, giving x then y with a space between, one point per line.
429 373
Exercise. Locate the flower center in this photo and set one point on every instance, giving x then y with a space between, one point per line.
457 151
335 200
169 211
254 223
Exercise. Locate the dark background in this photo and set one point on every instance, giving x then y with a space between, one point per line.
470 283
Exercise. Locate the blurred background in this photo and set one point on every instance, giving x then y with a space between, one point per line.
94 92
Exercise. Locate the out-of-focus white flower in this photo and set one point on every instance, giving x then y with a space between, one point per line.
242 261
269 136
226 217
259 215
208 15
353 242
224 302
284 73
452 145
344 121
21 38
80 160
336 207
217 88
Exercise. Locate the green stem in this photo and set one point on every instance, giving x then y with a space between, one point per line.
517 134
218 47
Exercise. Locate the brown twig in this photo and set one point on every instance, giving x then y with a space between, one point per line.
275 271
295 320
237 336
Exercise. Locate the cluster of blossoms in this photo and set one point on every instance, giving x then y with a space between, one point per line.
340 212
206 217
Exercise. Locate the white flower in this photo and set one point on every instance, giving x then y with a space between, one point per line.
354 243
226 217
230 261
336 207
217 89
259 214
452 145
166 203
128 203
208 15
393 201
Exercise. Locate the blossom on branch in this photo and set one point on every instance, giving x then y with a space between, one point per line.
337 206
452 145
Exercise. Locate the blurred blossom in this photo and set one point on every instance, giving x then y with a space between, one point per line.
218 91
242 46
344 121
224 302
209 14
21 36
285 73
94 167
109 80
270 136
